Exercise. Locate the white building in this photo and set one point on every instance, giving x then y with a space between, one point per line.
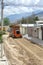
34 30
39 25
24 28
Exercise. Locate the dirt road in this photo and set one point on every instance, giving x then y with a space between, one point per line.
23 52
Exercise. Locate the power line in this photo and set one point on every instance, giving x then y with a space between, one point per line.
13 4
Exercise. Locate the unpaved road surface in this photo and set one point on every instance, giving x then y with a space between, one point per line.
23 52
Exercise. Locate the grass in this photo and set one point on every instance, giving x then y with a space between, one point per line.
0 38
1 33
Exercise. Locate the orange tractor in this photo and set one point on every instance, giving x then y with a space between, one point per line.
15 31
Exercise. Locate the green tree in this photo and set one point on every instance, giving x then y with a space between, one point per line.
23 20
6 21
32 19
0 23
29 20
36 18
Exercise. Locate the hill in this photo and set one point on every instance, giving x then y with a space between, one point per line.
15 17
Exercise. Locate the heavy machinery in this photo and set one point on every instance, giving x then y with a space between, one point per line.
15 31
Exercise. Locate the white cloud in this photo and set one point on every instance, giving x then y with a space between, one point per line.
8 10
23 2
18 1
37 1
25 9
19 10
16 10
0 17
10 0
0 13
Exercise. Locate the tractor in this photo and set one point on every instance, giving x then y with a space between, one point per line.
15 31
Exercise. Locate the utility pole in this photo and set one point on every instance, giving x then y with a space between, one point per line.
2 6
27 26
2 26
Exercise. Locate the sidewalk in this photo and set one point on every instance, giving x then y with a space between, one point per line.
3 60
34 40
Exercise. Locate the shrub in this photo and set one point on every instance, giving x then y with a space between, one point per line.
1 33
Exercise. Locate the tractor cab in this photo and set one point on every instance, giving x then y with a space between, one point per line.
15 31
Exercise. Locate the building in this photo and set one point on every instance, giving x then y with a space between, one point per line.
5 28
33 30
39 25
37 30
24 28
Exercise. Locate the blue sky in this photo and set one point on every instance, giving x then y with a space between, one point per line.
21 6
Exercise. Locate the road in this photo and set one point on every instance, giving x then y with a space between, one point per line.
23 52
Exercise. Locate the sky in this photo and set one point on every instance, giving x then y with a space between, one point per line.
21 6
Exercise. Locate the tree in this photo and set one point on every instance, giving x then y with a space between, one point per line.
0 23
29 20
6 21
36 18
32 19
23 20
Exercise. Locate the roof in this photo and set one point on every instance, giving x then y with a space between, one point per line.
29 25
38 22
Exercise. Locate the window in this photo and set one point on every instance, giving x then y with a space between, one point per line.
18 32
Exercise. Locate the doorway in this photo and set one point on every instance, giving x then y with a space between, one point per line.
42 34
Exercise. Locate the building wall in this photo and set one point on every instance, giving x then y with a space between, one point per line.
40 33
23 30
5 28
35 32
30 31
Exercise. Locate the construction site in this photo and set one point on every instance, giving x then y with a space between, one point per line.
17 49
21 41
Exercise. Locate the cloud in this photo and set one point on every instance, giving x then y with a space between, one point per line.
37 1
22 2
19 10
26 9
0 13
18 1
16 10
8 10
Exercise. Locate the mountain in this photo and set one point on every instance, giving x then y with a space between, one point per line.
40 15
15 17
18 16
